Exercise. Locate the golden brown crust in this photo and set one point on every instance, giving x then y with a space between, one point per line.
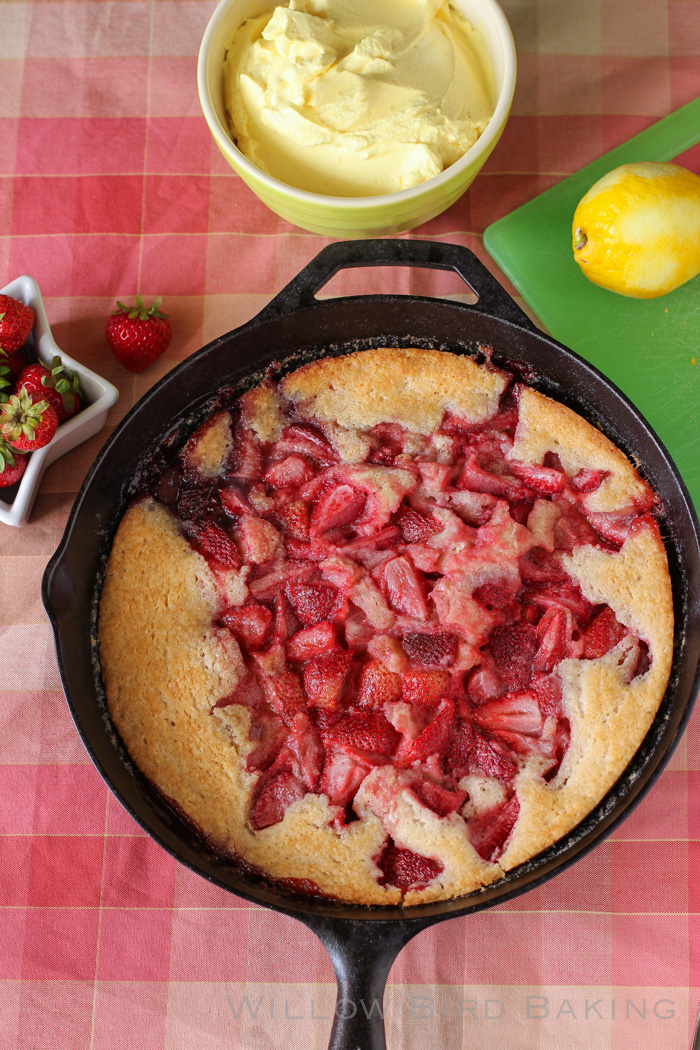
407 386
165 666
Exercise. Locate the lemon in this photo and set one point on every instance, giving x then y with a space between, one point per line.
637 230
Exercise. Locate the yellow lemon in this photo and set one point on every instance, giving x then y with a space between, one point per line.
637 230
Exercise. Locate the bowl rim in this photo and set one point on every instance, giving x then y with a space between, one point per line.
483 145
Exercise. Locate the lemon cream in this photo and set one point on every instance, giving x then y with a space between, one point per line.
357 97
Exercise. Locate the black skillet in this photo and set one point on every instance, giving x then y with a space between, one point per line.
296 327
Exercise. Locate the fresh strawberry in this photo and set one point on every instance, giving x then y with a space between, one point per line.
405 869
25 424
312 602
366 731
489 831
16 322
425 688
250 623
318 640
415 526
324 678
602 634
57 385
215 545
513 647
377 685
439 649
434 740
276 794
138 335
12 465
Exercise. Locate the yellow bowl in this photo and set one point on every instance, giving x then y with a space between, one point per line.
346 217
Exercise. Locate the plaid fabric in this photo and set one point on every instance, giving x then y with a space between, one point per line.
110 184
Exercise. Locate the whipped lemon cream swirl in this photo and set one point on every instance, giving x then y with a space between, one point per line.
357 97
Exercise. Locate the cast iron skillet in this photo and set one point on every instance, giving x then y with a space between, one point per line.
362 942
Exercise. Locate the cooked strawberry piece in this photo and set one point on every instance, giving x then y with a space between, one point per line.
425 688
498 595
312 641
512 713
414 525
602 634
459 753
489 831
405 587
340 506
246 460
247 692
294 519
613 526
259 539
234 499
484 684
304 741
265 583
285 623
572 529
250 623
358 631
341 777
490 758
554 633
366 731
434 740
377 685
548 690
476 479
324 678
313 552
269 733
441 799
588 480
305 441
513 647
367 549
195 501
405 869
312 602
285 695
216 545
289 472
543 480
439 649
565 594
540 566
276 794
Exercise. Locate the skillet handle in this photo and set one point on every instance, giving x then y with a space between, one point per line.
492 298
362 954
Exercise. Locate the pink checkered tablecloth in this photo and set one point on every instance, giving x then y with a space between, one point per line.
110 184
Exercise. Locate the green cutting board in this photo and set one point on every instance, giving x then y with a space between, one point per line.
649 348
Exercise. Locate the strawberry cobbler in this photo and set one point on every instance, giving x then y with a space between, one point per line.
389 626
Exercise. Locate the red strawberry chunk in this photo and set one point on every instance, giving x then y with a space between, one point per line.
250 623
489 831
324 678
342 775
364 730
294 519
377 685
312 602
312 641
304 741
588 480
234 499
434 740
289 472
285 695
539 566
260 541
459 753
512 713
543 480
340 506
416 526
247 459
439 649
498 595
484 685
613 526
305 441
405 588
269 733
490 759
425 688
554 633
405 869
216 545
548 690
565 594
602 634
276 794
572 529
247 693
285 623
476 479
265 583
441 799
513 647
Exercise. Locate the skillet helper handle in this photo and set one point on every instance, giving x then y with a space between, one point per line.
362 954
492 299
